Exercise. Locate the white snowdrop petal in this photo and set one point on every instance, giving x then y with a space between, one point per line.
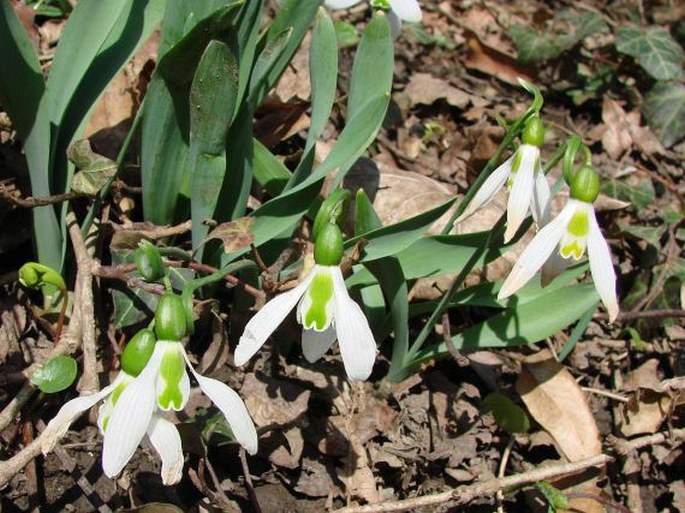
407 10
357 345
165 439
131 416
340 4
315 344
601 267
233 408
266 320
537 252
540 203
488 190
521 190
68 413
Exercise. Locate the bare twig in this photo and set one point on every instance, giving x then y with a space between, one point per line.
645 314
84 302
466 494
248 482
6 193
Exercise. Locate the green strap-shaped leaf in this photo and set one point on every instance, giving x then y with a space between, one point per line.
293 20
22 96
389 274
373 65
323 72
269 172
654 48
525 324
186 30
212 100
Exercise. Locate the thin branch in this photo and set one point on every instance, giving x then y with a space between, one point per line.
84 302
7 194
466 494
248 482
645 314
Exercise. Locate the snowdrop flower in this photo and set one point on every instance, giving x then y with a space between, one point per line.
400 10
523 176
571 232
164 385
325 311
161 433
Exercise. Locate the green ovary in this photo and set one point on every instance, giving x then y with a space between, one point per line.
171 371
320 292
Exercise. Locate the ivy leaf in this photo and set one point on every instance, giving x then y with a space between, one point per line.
654 48
57 374
664 109
94 170
532 45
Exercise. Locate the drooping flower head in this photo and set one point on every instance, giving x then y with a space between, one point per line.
164 385
325 310
524 179
573 231
153 380
161 433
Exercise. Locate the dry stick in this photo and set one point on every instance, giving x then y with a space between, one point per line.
645 314
466 494
248 481
31 202
84 302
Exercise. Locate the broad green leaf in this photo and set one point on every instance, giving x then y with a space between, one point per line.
509 416
532 45
654 48
391 239
269 172
25 104
213 95
280 214
186 30
365 218
21 77
394 286
524 324
91 51
295 17
651 234
94 170
55 375
373 65
346 34
664 108
639 191
133 305
323 70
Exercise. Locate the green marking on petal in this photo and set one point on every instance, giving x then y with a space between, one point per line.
112 400
579 225
572 249
516 163
321 293
171 371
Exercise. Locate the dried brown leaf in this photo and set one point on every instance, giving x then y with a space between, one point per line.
234 235
426 89
557 403
493 62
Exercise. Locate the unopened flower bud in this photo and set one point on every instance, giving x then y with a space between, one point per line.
328 247
534 132
331 211
170 318
585 185
137 352
149 261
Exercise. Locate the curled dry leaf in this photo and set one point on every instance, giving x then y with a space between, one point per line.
651 401
493 62
623 131
557 403
234 235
